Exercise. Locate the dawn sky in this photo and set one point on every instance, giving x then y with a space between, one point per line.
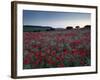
56 19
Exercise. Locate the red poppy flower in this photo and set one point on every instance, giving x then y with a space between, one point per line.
65 51
82 53
53 53
58 58
75 51
26 61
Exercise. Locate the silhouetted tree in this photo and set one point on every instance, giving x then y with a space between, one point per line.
77 27
87 26
69 27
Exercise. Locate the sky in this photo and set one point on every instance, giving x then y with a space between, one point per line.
56 19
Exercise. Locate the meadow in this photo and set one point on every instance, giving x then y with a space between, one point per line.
52 49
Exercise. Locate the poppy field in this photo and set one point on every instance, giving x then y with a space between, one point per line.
52 49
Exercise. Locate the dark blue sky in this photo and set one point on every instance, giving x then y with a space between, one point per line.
55 19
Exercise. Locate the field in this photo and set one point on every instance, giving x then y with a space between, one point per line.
52 49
